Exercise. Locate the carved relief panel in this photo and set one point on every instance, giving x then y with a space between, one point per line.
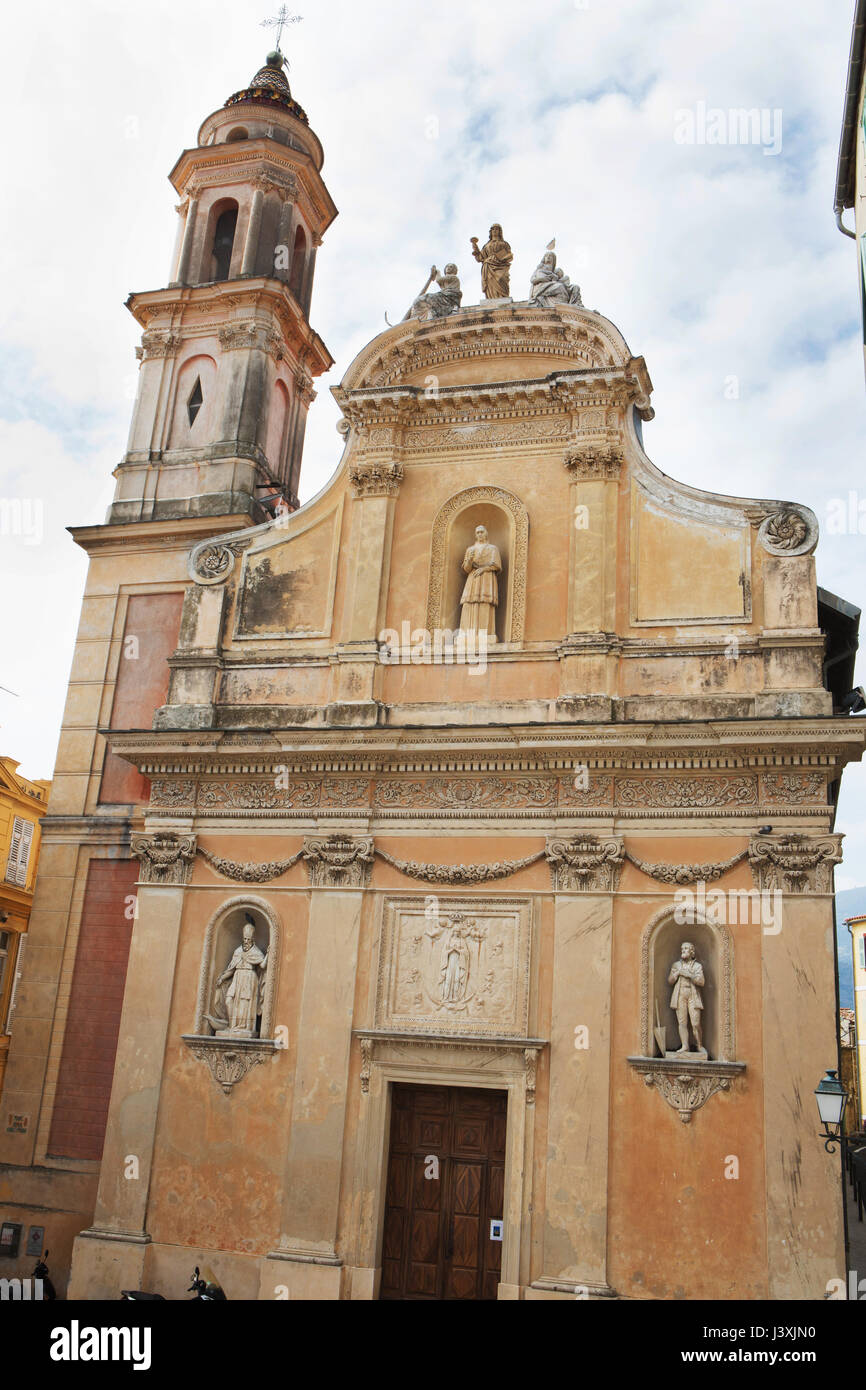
455 965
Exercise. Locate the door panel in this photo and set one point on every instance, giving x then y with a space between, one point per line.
436 1241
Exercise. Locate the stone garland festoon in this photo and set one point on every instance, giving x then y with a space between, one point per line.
575 863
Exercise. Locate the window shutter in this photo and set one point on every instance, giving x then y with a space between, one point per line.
19 853
17 965
863 951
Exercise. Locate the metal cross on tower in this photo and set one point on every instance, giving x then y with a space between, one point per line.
279 21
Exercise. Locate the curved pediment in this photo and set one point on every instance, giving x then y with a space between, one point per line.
477 345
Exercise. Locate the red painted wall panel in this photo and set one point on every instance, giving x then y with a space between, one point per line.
153 621
93 1020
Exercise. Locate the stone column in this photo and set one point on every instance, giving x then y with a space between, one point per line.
285 237
181 209
186 246
803 1184
110 1255
309 272
306 1261
251 245
585 876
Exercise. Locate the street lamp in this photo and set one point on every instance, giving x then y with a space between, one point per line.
832 1099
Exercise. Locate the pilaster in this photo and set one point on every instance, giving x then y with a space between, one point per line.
120 1217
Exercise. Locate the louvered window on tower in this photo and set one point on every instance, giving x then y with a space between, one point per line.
19 852
194 404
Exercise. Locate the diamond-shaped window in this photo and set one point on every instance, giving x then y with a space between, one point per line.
196 399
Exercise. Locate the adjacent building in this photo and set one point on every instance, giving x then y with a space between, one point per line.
857 928
851 167
436 897
22 805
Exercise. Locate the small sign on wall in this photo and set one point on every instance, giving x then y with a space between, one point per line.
10 1238
496 1230
35 1241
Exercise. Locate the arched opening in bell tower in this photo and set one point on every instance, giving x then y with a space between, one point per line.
299 261
223 241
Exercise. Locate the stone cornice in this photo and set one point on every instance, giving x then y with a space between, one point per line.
555 394
772 780
711 744
114 538
225 300
476 331
241 161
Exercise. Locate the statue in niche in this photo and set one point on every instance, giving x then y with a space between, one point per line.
237 1006
454 974
495 257
549 285
687 977
444 301
480 594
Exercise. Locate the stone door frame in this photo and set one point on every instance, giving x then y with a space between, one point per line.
504 1064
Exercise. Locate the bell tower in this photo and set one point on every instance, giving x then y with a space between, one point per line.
228 356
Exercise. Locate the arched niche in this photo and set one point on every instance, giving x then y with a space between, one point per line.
661 943
220 241
278 415
507 523
195 390
297 275
223 935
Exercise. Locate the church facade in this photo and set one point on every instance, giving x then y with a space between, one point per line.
436 889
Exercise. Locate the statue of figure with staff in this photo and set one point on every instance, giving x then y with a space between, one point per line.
444 301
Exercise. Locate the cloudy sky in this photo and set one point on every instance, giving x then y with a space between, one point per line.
720 263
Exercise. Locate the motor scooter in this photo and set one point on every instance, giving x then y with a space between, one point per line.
205 1290
41 1272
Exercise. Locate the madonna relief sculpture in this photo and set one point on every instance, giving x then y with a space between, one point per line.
482 563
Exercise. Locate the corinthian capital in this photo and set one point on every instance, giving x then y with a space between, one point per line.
585 864
591 461
339 861
166 858
376 479
795 863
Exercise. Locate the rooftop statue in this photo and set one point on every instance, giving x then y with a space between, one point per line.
550 286
495 257
444 301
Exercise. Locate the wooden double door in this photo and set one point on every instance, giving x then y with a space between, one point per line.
446 1181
